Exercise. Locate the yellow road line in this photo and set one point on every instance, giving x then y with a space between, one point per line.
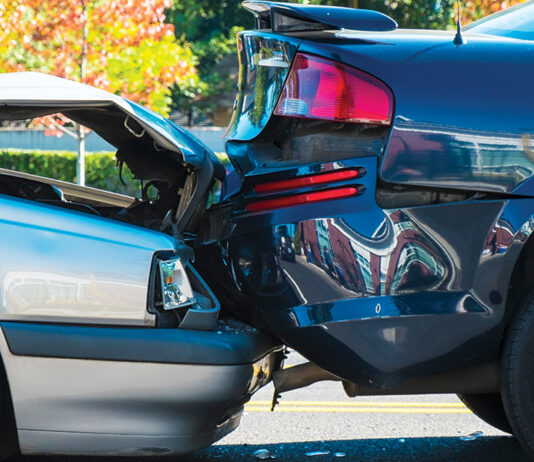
360 404
371 407
361 410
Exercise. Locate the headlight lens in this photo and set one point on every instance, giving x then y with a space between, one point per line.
175 286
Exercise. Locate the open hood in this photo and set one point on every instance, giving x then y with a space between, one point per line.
158 152
26 95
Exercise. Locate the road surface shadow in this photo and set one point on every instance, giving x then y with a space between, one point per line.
445 449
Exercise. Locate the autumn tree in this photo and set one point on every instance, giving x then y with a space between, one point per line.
476 9
122 46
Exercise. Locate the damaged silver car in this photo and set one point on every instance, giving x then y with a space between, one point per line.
111 341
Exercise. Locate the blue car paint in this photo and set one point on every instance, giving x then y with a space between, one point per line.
269 14
416 290
383 296
445 132
259 85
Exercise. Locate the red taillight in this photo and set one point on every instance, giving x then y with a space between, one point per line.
318 88
308 180
304 198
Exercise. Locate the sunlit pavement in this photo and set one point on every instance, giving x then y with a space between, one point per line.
321 424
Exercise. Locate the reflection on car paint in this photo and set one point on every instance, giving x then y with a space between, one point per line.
398 258
438 155
374 284
48 294
499 238
264 63
54 259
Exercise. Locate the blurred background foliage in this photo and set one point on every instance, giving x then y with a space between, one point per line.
102 171
126 47
211 25
167 54
101 168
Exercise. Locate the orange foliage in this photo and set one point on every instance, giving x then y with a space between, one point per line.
48 36
475 9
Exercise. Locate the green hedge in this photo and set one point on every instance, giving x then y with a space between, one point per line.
101 169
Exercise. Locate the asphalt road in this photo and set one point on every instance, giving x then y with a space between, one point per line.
370 429
322 420
320 424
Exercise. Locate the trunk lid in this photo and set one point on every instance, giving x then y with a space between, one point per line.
259 139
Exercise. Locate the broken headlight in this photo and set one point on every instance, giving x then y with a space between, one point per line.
183 299
176 291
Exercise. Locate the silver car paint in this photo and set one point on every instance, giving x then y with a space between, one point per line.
34 89
70 406
61 265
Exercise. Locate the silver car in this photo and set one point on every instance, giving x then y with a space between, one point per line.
111 342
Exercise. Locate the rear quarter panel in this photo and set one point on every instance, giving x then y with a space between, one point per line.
464 115
377 296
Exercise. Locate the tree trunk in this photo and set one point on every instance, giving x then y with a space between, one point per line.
80 163
85 32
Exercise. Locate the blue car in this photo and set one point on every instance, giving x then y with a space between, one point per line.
401 165
376 215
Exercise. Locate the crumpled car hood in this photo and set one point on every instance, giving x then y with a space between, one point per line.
26 95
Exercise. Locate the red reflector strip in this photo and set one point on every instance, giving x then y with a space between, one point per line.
304 198
310 180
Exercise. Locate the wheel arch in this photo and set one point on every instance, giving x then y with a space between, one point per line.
521 280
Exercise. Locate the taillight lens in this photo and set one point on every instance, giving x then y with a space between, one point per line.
317 88
304 198
306 181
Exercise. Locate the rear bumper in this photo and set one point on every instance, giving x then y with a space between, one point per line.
108 404
379 296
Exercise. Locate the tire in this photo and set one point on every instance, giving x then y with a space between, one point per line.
489 408
518 374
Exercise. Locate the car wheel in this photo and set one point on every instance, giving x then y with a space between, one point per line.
489 408
518 374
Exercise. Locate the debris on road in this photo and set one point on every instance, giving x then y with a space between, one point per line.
264 454
472 436
317 453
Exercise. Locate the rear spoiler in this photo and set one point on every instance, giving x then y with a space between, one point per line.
291 17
